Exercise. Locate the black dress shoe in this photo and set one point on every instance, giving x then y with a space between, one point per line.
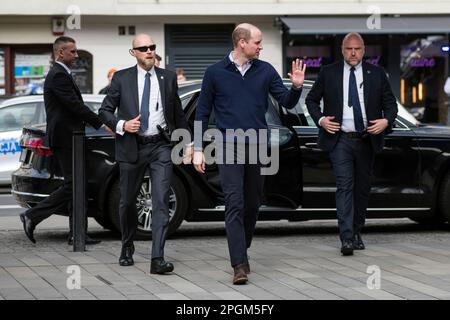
159 266
358 244
88 240
347 248
126 256
28 227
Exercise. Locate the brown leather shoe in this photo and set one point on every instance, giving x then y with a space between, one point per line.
247 268
240 276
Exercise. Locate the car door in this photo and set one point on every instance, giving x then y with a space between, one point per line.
319 184
396 180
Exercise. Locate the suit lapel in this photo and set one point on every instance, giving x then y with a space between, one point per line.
340 84
77 90
366 86
134 85
160 76
75 85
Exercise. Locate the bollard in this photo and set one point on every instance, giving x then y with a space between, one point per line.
79 192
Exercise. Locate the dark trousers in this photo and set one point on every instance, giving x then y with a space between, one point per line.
352 161
60 201
242 185
156 156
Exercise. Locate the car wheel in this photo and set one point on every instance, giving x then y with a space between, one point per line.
178 205
444 198
105 223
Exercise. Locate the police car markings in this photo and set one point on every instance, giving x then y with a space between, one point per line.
9 146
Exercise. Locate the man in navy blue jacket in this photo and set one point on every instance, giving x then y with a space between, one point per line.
237 89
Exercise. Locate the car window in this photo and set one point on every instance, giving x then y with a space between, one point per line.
15 117
272 117
94 106
401 123
185 100
299 115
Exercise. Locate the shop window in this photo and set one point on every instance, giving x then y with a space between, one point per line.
2 73
82 71
30 70
373 54
314 56
423 76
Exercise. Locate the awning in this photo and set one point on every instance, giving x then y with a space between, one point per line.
345 24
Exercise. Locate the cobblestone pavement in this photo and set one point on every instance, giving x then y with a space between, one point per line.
298 260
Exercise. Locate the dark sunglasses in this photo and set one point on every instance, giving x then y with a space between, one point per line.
152 47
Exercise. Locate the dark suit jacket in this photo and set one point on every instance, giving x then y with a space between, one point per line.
379 101
123 95
65 109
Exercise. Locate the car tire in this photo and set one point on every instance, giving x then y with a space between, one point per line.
443 206
105 223
444 198
178 205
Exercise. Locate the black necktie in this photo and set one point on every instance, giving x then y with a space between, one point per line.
145 104
353 101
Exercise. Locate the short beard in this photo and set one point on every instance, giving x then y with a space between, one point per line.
147 63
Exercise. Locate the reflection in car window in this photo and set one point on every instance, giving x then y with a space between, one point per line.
15 117
272 117
185 100
299 115
302 110
94 106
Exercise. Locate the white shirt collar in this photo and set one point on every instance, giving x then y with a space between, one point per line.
348 66
248 63
142 72
64 66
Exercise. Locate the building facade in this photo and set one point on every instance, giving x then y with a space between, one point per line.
408 38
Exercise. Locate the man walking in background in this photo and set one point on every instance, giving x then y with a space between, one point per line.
358 109
66 113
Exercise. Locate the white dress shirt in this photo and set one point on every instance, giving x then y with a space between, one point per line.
242 69
348 122
64 66
156 113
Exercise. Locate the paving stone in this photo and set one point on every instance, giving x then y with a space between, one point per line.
303 266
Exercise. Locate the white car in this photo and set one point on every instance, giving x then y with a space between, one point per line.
15 113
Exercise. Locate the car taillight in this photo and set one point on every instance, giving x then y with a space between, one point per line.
37 145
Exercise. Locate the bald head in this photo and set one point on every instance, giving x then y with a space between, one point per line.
141 39
244 31
353 36
143 49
